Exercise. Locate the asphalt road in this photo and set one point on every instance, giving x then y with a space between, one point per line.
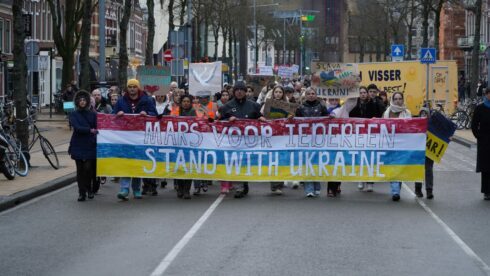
357 234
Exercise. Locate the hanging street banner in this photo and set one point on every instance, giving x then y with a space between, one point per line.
204 78
335 80
154 79
439 131
303 149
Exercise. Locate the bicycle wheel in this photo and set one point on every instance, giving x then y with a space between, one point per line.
21 166
459 118
49 153
7 165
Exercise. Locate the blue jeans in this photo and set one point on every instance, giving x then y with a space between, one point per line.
395 188
135 183
311 187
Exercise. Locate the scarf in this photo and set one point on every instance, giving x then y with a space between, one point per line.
486 102
396 108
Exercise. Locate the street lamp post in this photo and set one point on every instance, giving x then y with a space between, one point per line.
102 40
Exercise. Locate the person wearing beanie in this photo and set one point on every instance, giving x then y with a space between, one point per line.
83 144
240 108
135 101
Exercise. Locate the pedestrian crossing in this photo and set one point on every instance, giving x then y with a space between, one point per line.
457 158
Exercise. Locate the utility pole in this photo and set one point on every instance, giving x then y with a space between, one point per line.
101 40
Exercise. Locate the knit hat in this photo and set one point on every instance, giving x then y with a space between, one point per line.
133 82
239 85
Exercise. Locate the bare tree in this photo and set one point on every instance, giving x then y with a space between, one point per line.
475 54
413 9
150 4
20 73
66 42
88 9
123 51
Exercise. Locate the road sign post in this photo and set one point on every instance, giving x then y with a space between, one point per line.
167 55
397 52
427 56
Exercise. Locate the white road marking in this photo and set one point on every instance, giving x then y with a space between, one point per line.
481 264
162 267
34 200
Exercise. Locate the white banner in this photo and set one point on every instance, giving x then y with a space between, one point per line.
204 78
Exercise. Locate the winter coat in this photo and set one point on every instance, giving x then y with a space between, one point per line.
142 103
367 109
241 109
103 106
312 109
480 126
83 144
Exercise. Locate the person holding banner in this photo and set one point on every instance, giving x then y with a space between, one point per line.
240 108
83 144
365 108
480 126
184 185
276 113
396 109
312 108
135 101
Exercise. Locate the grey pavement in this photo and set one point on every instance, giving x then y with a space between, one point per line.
357 234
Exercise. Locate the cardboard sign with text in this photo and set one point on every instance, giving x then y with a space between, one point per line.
154 79
335 80
290 108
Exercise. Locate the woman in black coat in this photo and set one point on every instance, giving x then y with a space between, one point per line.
480 126
83 144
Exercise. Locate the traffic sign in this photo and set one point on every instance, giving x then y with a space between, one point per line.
31 48
428 55
167 55
397 52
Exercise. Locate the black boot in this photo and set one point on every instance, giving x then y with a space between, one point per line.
145 189
153 190
430 195
180 190
418 190
187 190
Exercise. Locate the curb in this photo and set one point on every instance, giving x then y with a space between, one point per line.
23 196
464 142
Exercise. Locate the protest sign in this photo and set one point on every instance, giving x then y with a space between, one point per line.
302 149
335 80
204 78
154 79
265 71
285 72
439 131
290 108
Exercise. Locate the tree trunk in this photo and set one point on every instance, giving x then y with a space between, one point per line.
216 37
171 17
425 23
123 50
225 37
235 56
150 4
437 25
475 55
183 6
84 51
242 34
20 73
205 36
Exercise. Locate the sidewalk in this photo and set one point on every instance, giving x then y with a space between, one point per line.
465 137
42 178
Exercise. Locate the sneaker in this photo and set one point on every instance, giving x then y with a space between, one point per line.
91 195
239 194
395 197
154 192
278 192
197 191
123 194
317 193
295 185
81 198
369 187
310 195
360 186
486 197
137 194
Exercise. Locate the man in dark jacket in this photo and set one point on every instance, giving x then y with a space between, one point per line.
240 108
83 144
134 102
377 100
480 126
